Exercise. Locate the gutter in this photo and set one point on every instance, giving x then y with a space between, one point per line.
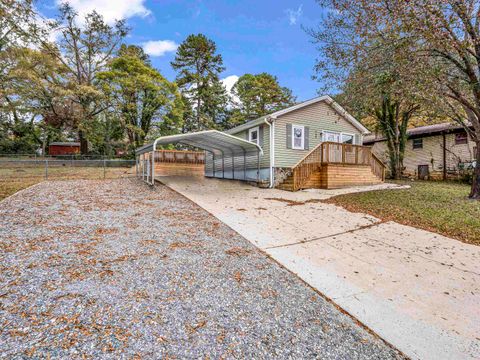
270 122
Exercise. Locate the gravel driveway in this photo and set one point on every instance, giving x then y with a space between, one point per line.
114 269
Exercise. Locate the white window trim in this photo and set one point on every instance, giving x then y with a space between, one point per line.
340 134
352 135
325 132
250 131
302 147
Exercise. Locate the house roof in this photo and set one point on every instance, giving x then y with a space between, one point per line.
276 114
418 132
214 141
59 143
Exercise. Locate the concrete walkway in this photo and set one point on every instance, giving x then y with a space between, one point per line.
418 290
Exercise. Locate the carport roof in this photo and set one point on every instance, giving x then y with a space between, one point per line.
214 141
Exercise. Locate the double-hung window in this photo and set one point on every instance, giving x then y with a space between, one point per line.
298 137
254 135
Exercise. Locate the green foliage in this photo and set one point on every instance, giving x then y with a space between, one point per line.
198 66
259 95
140 96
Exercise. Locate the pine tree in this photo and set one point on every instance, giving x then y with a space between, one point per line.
199 67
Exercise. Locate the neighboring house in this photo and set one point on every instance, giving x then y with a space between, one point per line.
314 144
63 148
440 151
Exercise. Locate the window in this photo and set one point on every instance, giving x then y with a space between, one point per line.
347 139
417 143
461 138
253 135
331 136
298 137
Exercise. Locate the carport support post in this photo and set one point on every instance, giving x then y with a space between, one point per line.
258 166
233 166
153 167
223 165
213 156
244 165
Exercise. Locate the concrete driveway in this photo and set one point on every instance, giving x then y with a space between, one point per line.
418 290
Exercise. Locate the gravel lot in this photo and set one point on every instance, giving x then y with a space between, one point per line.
113 269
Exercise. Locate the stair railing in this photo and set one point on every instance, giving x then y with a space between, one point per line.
306 167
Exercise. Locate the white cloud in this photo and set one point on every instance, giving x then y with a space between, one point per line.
159 47
110 10
229 82
294 15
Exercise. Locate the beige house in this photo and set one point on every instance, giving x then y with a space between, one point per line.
440 151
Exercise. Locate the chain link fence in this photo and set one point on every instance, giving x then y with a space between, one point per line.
21 170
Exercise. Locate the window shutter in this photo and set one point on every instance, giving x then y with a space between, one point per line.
306 137
260 136
289 136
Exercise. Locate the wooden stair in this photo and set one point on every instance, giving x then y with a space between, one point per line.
335 165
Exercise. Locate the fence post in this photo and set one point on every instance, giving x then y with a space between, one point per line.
104 169
46 169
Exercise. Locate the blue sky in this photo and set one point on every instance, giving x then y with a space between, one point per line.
252 36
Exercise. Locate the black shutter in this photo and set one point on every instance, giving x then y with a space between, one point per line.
306 138
289 136
260 136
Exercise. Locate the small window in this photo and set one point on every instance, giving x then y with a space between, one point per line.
461 138
253 135
417 143
347 139
298 137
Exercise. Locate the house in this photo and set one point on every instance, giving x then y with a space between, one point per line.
63 148
440 151
314 144
289 136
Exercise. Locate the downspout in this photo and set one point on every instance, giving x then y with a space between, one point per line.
271 124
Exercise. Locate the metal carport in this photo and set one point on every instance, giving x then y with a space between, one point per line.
226 150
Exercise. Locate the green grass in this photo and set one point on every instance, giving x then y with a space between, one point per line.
16 178
441 207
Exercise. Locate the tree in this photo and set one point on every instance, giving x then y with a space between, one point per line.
84 51
448 32
259 95
139 95
372 64
199 67
446 35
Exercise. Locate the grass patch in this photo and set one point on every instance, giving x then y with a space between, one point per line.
441 207
16 178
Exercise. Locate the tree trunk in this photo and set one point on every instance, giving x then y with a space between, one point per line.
475 190
83 143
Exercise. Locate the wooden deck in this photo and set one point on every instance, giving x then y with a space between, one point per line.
335 165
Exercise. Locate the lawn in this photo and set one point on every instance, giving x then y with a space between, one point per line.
440 207
15 178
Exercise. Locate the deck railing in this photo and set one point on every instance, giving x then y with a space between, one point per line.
180 156
335 153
